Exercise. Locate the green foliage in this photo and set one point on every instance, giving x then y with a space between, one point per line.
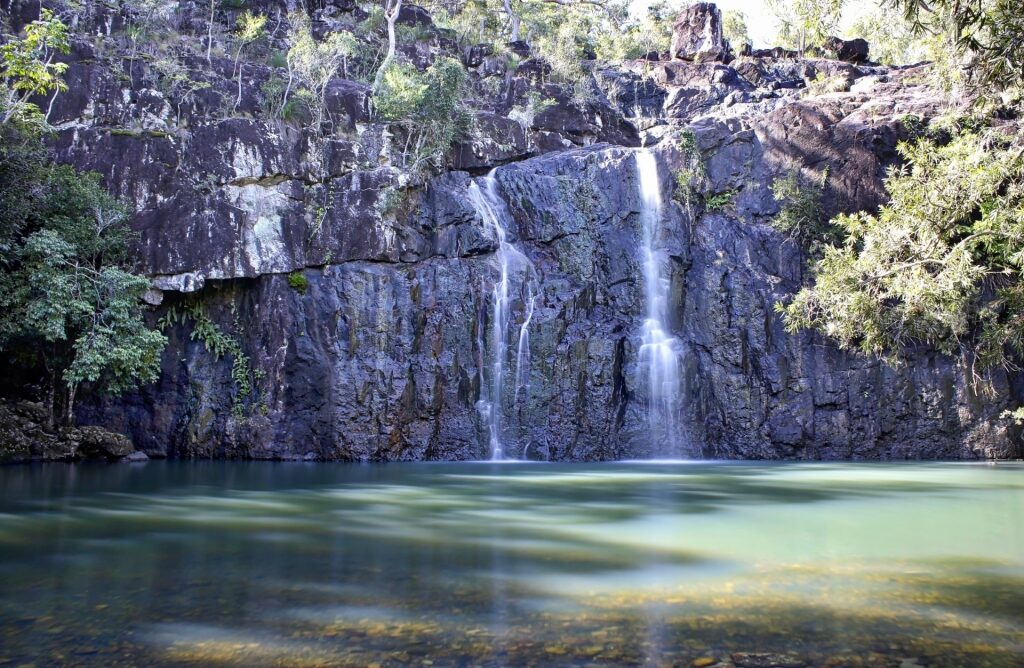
801 215
388 200
278 59
564 48
27 69
175 81
636 37
429 108
893 40
218 343
68 298
990 33
315 63
719 201
940 264
403 93
690 178
734 28
806 23
249 27
296 108
822 84
526 113
297 281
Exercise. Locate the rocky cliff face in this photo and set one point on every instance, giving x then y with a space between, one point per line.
362 293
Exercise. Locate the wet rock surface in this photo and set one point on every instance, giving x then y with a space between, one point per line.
382 355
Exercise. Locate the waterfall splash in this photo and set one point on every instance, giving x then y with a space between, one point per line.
483 195
660 353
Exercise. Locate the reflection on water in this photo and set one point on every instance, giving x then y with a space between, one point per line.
477 564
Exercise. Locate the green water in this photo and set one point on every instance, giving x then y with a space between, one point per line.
238 564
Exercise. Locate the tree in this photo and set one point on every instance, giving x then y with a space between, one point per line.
801 215
940 264
515 15
806 23
635 36
315 63
893 40
734 27
392 8
209 30
68 299
428 107
989 32
250 29
27 69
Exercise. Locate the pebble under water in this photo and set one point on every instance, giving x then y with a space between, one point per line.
661 563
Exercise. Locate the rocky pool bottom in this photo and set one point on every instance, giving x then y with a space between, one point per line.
663 564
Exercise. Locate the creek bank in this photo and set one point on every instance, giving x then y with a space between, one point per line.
25 437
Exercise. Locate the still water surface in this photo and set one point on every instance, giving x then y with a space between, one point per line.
254 564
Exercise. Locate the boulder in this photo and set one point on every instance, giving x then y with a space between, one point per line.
497 140
849 50
519 47
697 34
347 102
100 443
414 15
473 56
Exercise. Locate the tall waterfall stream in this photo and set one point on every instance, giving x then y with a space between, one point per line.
660 352
483 195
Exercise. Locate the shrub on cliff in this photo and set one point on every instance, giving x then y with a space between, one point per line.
70 306
941 264
805 23
312 65
27 70
801 215
428 107
989 37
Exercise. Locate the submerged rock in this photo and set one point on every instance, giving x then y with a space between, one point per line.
767 660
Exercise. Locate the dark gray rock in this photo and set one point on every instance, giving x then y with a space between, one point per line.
25 437
850 50
473 56
697 34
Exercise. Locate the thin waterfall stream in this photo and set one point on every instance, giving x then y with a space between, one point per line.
660 352
483 195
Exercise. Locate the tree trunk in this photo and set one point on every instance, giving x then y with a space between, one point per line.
514 20
239 65
69 416
209 30
51 403
391 14
287 90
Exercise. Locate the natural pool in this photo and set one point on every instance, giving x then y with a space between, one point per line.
252 564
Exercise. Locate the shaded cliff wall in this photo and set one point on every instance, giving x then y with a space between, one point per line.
379 356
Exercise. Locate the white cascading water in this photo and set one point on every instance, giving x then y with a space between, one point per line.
660 353
483 195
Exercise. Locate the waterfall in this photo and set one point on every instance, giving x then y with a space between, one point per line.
660 353
483 195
